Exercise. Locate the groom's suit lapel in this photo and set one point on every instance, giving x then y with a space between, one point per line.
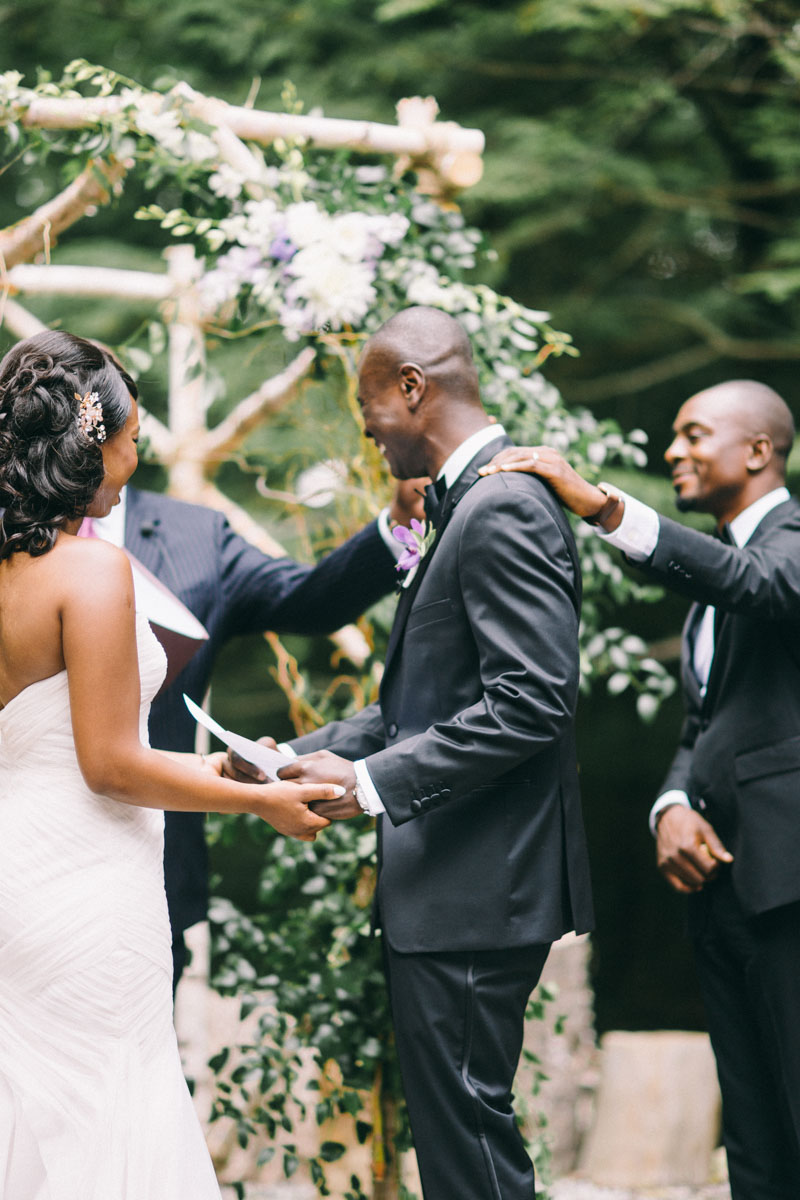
453 495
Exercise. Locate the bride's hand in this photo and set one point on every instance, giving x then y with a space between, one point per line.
285 806
213 762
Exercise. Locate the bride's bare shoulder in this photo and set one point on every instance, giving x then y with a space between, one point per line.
90 568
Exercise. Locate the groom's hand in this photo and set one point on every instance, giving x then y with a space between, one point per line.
324 767
238 768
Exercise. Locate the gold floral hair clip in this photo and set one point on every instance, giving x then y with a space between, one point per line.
90 416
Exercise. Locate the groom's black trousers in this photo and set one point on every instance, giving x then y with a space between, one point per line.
458 1020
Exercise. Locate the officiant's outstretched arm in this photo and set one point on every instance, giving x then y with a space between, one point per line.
727 821
468 758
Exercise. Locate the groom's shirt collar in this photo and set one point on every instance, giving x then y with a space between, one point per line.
462 456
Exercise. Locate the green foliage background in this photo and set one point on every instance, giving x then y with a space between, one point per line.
642 174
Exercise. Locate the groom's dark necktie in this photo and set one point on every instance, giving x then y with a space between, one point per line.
434 497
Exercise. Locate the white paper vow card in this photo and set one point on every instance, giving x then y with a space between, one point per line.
269 761
178 629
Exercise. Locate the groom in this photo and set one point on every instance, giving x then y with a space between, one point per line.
469 759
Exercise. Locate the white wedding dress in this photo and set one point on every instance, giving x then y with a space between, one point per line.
93 1103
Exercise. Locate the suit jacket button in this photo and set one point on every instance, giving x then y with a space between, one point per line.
416 806
434 798
392 730
701 804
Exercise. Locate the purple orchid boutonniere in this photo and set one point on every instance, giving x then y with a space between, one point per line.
417 540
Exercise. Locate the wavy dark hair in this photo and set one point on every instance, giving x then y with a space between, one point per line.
50 469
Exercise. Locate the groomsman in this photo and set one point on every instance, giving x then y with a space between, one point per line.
728 820
468 759
233 588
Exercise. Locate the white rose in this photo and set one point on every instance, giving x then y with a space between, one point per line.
306 224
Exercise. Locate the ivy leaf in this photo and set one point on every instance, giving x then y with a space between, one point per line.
331 1151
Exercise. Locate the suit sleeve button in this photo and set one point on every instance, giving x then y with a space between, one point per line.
416 806
392 730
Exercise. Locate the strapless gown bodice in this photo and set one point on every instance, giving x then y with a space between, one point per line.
93 1104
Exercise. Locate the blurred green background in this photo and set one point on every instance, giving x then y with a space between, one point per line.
641 183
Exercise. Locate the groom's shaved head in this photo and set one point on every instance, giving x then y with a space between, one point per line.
433 341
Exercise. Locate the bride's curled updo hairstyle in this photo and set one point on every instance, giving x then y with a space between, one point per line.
50 468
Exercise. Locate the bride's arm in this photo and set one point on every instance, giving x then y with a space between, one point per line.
99 642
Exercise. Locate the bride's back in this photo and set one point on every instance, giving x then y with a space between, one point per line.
33 591
67 443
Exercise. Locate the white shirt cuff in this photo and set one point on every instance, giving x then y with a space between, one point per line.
286 749
368 796
637 533
673 796
392 545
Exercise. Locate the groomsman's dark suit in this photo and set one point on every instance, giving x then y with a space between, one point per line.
728 818
482 860
739 762
233 588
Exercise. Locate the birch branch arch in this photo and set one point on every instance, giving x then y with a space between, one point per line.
446 156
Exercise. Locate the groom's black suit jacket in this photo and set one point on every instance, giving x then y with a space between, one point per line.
739 752
233 588
471 745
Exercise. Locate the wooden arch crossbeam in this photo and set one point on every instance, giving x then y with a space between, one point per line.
446 156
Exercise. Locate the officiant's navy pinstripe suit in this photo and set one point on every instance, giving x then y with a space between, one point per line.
233 589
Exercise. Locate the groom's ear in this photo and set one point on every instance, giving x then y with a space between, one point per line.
412 384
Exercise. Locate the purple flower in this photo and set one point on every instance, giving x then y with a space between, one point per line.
407 560
282 249
242 263
412 539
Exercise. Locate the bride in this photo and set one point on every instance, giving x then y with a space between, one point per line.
93 1104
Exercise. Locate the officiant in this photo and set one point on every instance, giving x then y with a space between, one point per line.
233 588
